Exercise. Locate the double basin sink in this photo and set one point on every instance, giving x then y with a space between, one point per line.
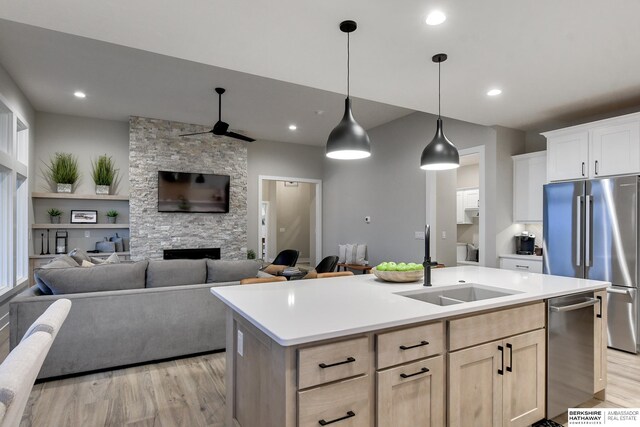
457 294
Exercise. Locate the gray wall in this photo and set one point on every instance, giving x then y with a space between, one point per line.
277 159
468 176
154 146
16 100
87 139
390 187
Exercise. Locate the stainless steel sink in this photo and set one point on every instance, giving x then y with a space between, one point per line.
457 294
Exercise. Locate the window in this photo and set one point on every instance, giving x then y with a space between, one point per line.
14 200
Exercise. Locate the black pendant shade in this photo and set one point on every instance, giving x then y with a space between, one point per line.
440 153
348 140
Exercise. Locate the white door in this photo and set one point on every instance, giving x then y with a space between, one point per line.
568 156
615 150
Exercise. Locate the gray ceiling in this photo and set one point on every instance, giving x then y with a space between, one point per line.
120 81
556 61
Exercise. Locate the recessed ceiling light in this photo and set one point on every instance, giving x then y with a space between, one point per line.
494 92
436 18
293 127
79 94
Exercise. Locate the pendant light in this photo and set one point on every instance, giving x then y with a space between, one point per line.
440 154
348 140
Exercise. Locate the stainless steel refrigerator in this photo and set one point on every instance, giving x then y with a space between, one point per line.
591 231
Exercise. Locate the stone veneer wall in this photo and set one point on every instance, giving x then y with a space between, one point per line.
154 145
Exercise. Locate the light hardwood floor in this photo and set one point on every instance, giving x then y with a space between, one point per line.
190 392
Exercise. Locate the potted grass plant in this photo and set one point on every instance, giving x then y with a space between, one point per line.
112 215
54 215
62 170
104 174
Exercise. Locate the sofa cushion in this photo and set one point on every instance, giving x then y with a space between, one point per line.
230 271
111 277
175 272
111 259
56 263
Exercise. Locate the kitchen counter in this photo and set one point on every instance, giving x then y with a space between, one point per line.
299 312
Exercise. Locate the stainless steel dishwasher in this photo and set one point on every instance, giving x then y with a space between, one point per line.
570 349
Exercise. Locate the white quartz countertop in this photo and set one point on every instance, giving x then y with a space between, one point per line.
527 257
303 311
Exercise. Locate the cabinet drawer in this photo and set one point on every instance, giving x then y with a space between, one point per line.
330 362
407 345
347 401
473 330
521 265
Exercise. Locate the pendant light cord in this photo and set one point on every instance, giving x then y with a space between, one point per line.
348 63
439 89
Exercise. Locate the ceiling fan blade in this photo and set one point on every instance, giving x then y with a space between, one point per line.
197 133
238 136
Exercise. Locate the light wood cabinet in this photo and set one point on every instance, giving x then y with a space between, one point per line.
529 177
501 383
595 150
615 149
600 342
411 395
409 344
568 156
334 361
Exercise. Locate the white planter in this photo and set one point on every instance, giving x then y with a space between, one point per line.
64 188
102 189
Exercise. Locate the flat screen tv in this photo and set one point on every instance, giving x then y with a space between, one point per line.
193 192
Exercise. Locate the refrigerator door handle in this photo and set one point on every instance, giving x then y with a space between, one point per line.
578 229
587 232
618 291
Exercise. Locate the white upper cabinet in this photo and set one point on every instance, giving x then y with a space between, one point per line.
615 149
460 207
568 156
595 150
472 199
529 176
467 204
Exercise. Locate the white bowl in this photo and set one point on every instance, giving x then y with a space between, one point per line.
399 276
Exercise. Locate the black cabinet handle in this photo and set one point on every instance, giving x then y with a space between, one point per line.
349 360
421 371
501 370
596 167
582 168
510 367
599 315
404 347
350 414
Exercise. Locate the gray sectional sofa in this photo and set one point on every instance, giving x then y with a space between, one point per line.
129 313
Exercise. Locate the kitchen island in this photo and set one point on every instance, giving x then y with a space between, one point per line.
354 351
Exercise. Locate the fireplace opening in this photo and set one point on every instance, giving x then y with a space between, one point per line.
210 253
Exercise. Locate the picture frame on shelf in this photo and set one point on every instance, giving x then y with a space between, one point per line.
84 217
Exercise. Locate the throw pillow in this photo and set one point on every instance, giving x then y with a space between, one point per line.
79 255
86 264
111 259
472 253
356 254
67 259
342 254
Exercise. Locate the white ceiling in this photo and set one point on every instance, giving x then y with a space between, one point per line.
120 81
555 60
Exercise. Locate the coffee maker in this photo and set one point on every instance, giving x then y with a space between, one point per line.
525 243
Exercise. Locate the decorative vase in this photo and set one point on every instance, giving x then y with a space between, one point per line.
55 219
111 219
64 188
102 190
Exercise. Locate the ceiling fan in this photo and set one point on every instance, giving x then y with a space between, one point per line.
221 128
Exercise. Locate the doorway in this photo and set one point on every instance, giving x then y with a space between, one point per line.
290 217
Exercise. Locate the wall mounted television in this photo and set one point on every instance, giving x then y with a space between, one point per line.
193 192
